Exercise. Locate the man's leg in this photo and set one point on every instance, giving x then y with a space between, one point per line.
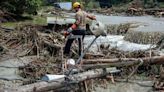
78 32
82 33
68 46
80 46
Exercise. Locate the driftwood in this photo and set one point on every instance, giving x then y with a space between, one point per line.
149 60
121 62
53 85
57 46
46 42
6 29
90 55
153 9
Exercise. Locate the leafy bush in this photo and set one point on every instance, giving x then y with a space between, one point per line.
20 6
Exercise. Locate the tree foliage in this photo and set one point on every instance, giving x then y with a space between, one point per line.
20 6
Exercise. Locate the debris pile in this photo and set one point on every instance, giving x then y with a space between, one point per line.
121 29
144 37
5 17
47 46
38 68
133 8
30 40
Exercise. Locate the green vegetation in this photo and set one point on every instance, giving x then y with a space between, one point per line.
21 6
9 24
38 20
115 2
161 4
91 5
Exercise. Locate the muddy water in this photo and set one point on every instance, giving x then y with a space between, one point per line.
146 23
146 20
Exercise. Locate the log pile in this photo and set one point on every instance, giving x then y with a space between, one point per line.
5 16
31 40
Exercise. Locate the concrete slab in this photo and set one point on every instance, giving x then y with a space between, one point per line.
60 21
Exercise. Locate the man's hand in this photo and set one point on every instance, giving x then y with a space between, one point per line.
69 30
92 17
65 33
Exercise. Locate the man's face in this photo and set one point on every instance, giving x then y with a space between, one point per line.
76 9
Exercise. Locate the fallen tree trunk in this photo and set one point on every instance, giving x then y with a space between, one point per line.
153 9
121 62
53 85
149 60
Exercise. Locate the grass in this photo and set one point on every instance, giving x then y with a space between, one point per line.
9 24
92 5
38 20
161 5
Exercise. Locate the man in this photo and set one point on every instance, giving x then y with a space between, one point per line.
78 28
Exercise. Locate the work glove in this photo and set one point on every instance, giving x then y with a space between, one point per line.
66 33
69 30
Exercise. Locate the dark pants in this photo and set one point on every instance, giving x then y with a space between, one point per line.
70 41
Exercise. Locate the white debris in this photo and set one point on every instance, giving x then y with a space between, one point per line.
49 77
115 41
71 62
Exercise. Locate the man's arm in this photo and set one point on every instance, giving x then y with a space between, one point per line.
74 26
78 19
92 17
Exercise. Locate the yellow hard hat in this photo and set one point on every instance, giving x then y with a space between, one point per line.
76 4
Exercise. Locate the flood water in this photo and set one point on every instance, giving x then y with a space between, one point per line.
146 23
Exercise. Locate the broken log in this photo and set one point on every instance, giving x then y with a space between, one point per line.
6 29
57 46
90 55
149 60
55 84
121 62
153 9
